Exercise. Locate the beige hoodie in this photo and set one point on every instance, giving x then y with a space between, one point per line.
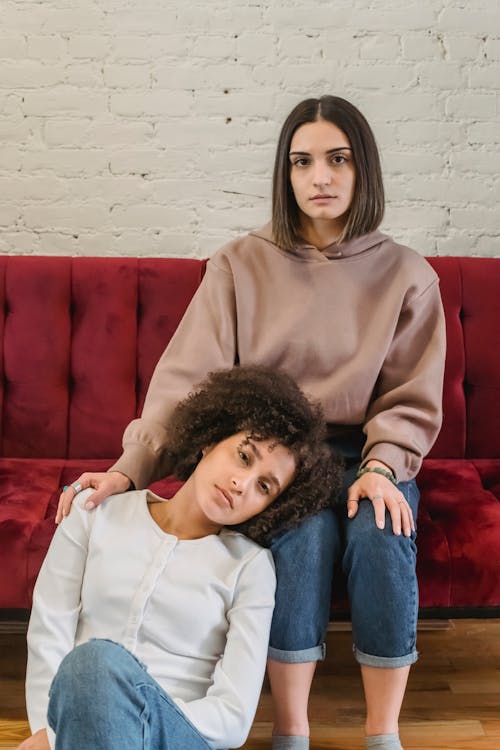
359 326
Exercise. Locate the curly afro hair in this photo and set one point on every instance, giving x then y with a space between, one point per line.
267 405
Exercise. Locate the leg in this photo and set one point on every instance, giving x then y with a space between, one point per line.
102 698
384 604
304 560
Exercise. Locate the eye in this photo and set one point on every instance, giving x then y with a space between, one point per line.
339 159
264 487
302 161
244 457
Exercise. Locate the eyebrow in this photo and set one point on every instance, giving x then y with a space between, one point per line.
330 151
258 454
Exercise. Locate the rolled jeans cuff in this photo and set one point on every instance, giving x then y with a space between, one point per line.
316 653
385 662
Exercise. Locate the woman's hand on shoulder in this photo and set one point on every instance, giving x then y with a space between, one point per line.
383 494
105 483
37 741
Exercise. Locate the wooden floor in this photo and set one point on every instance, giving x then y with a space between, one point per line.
452 702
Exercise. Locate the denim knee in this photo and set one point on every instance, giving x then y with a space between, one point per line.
304 560
382 583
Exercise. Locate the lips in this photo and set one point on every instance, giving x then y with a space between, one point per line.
321 197
225 495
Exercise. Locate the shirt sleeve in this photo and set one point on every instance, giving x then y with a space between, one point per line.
55 610
225 715
205 340
404 418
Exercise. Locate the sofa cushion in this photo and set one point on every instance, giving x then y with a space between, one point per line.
30 492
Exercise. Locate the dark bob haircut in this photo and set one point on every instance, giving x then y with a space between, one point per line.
265 404
367 208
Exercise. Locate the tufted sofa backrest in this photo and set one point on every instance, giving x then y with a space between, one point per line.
81 337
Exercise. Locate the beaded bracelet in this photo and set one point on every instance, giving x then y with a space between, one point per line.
377 470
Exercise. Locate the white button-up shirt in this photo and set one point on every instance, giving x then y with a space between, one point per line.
196 612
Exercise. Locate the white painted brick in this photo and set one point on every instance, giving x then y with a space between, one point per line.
151 104
151 162
233 18
57 243
484 132
20 242
64 99
475 217
415 217
13 47
380 47
341 45
421 46
11 159
68 132
14 130
149 47
492 49
92 46
147 21
27 187
485 77
441 75
479 162
85 19
65 216
311 17
233 104
457 189
252 48
462 46
375 75
69 162
30 75
407 106
150 215
410 18
24 18
456 244
489 245
471 105
416 162
50 47
84 74
308 46
470 20
9 214
212 46
431 133
127 76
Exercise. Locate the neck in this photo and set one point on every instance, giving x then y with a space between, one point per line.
181 517
320 232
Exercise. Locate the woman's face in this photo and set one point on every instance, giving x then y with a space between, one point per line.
322 172
239 477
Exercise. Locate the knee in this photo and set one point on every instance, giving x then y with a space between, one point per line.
85 669
314 541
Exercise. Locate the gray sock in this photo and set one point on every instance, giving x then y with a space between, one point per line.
383 742
291 742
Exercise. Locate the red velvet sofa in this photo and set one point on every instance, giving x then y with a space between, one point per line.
80 338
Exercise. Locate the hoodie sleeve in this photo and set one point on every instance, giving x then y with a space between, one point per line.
404 418
205 340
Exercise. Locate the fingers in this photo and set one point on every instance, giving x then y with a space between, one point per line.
383 497
352 502
104 484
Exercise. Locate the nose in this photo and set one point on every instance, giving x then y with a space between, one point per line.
238 483
322 174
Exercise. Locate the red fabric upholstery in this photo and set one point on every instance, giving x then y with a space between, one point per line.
81 337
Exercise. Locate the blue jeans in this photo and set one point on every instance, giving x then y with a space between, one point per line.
382 585
102 698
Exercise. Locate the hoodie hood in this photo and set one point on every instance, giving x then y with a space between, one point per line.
333 252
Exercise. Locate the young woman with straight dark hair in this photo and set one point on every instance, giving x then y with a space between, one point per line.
356 319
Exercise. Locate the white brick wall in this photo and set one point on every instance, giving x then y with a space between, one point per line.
148 127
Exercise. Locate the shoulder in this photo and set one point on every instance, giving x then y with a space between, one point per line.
407 260
115 507
245 550
243 250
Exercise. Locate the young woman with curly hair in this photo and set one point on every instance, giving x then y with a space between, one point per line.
174 583
356 319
